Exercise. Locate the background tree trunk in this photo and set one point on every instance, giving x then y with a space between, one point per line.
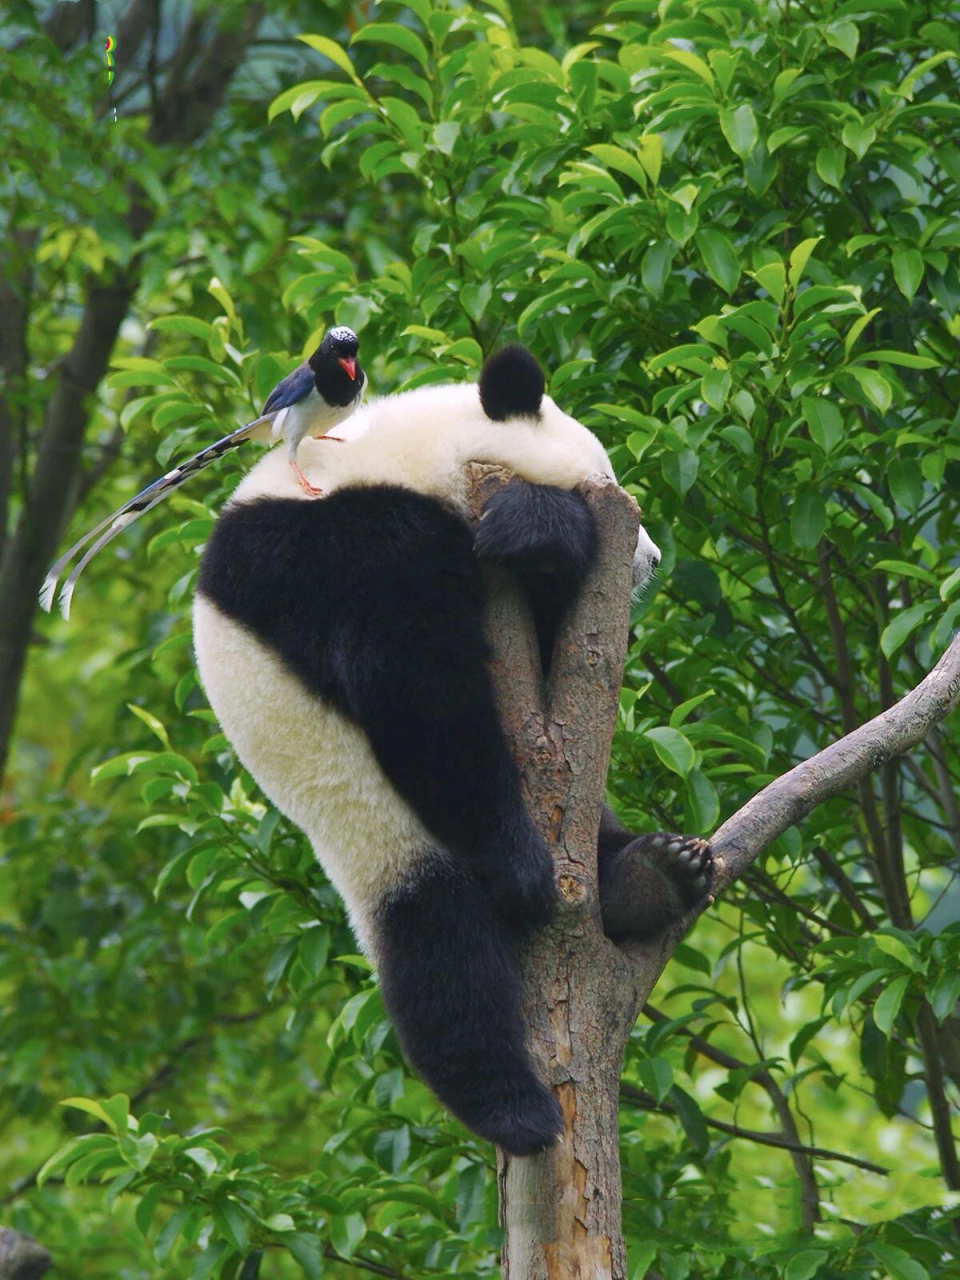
561 1211
21 1257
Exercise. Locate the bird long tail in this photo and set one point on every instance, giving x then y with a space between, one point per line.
132 510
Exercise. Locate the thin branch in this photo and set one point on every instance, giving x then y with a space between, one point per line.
631 1093
838 767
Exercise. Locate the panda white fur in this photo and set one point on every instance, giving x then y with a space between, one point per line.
340 642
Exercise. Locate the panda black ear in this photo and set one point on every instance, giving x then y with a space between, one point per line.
511 384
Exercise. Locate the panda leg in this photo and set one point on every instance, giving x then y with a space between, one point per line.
648 882
450 983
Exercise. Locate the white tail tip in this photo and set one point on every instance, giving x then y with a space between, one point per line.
66 596
47 592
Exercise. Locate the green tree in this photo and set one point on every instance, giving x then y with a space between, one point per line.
729 232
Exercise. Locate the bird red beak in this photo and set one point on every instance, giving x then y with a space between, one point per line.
349 365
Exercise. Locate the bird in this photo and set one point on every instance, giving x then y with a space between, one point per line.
314 398
318 395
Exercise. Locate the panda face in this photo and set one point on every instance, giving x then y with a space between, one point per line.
646 558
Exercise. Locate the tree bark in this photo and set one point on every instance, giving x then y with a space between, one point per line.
561 1210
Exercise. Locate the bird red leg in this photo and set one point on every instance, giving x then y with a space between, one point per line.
309 489
338 439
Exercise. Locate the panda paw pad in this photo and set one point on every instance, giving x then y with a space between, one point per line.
687 859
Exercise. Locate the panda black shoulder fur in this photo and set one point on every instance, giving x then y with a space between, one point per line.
340 642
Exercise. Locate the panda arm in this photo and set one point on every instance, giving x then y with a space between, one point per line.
538 528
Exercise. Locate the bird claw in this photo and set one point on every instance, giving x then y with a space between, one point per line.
309 489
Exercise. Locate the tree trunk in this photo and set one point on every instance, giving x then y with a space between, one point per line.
561 1211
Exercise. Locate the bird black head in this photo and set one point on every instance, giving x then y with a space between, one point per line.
336 369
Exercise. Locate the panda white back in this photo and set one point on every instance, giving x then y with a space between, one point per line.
423 439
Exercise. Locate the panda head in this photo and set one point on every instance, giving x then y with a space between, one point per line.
512 385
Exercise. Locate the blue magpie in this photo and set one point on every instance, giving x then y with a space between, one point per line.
317 396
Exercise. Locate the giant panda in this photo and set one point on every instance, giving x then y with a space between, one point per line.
340 642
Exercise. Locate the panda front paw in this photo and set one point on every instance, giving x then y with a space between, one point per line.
537 528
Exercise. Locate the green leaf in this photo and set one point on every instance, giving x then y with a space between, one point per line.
681 712
907 569
232 1224
169 1232
688 60
331 50
896 634
143 1214
808 516
674 749
905 358
657 1076
824 421
205 1159
858 137
95 1109
909 81
830 164
650 153
655 266
896 948
857 328
719 258
346 1232
152 723
805 1264
715 387
445 136
799 259
680 470
405 119
773 278
181 324
78 1147
701 804
944 994
898 1264
907 271
308 1252
280 1222
739 126
843 36
874 386
620 160
887 1006
906 483
393 34
949 585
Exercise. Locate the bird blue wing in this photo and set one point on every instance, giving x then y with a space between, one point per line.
293 388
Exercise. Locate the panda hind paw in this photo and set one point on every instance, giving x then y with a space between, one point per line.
525 1120
652 882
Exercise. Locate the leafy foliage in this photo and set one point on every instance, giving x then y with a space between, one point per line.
729 232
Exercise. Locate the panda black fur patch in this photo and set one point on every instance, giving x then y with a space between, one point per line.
511 384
